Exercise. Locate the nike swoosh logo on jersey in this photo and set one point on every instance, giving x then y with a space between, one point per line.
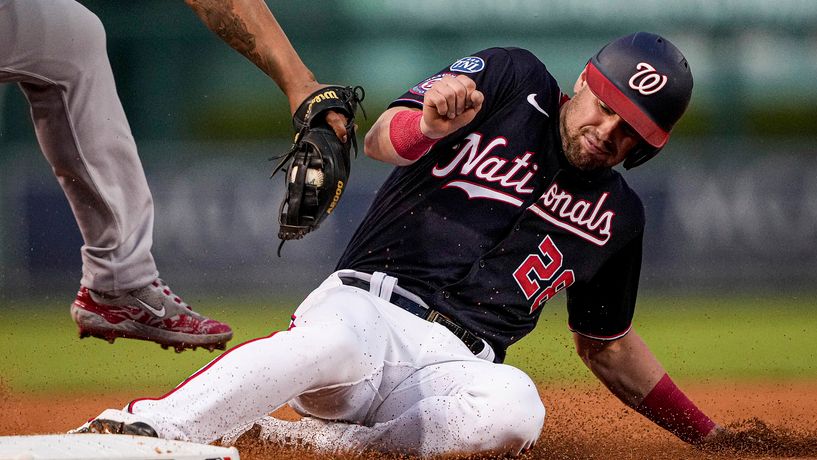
160 312
532 101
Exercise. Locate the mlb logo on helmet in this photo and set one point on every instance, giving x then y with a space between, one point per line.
647 81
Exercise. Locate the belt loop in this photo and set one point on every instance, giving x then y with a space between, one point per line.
382 285
387 288
487 353
375 282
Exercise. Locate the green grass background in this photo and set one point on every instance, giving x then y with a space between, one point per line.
697 340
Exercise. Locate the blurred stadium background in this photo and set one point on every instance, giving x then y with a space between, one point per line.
731 203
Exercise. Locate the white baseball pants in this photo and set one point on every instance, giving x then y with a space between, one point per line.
401 383
55 51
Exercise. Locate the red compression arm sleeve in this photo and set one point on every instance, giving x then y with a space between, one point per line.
405 135
669 408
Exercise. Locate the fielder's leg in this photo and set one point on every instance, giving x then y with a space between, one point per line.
56 51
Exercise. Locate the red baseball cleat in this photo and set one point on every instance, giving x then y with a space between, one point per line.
151 313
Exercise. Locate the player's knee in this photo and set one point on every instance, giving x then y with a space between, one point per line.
518 414
344 342
345 346
528 414
526 410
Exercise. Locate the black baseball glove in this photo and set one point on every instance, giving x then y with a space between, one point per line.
318 164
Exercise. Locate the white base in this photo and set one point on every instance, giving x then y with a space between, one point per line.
107 446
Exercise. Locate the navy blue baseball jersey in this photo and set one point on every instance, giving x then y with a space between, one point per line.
493 221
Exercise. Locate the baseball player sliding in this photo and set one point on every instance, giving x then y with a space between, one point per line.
55 51
504 195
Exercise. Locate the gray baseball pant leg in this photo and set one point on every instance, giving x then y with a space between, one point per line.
55 51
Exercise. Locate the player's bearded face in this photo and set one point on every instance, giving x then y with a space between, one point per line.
593 136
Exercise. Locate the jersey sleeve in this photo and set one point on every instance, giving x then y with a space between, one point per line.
603 308
494 71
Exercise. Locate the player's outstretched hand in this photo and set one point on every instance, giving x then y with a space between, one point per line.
450 104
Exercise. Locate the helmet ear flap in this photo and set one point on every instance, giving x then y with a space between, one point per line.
640 155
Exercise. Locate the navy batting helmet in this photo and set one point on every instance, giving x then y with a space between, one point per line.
646 80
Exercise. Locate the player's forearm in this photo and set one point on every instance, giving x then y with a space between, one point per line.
249 27
626 366
379 142
629 369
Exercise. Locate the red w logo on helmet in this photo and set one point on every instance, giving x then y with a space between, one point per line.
647 80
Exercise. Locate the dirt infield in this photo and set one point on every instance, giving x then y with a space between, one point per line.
770 420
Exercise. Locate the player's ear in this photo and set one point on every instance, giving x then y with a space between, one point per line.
581 81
